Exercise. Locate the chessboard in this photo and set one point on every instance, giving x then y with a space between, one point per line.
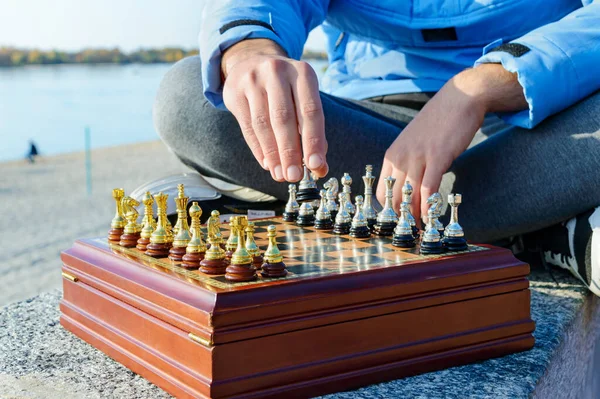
349 312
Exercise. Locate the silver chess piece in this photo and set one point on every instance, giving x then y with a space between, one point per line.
454 236
291 208
306 215
323 217
403 233
435 202
431 243
343 219
387 218
332 187
368 209
360 227
407 191
347 190
307 188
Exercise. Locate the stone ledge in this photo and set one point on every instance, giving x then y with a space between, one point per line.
42 360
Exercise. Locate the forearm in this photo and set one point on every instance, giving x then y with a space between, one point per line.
246 49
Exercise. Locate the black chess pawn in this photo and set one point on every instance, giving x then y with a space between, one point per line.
431 242
323 219
454 236
403 234
359 227
387 218
291 208
306 215
307 188
343 220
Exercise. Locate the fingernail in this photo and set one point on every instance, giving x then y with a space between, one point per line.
293 173
278 172
263 164
315 161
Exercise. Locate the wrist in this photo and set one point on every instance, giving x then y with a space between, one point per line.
246 49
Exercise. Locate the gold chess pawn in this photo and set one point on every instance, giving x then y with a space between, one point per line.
240 268
196 248
214 261
148 224
160 240
118 222
232 241
252 247
181 229
131 232
273 266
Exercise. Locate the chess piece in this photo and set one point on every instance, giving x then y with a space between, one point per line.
232 243
306 215
368 209
252 247
181 229
323 217
332 188
148 222
196 248
273 266
307 188
214 261
347 190
343 219
403 233
359 227
435 202
131 232
431 243
407 192
118 222
160 240
291 208
240 267
454 236
387 218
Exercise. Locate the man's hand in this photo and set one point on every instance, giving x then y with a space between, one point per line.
444 128
276 101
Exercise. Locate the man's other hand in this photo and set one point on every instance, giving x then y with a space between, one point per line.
276 101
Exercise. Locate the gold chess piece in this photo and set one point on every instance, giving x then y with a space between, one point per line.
232 241
196 248
273 266
131 232
214 261
240 268
160 240
118 222
252 247
148 222
181 229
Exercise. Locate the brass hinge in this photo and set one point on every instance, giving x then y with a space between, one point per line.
70 277
200 340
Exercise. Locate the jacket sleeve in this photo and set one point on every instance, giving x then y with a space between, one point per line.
227 22
557 64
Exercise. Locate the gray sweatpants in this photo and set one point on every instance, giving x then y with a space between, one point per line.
513 180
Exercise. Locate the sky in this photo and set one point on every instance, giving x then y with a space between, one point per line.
127 24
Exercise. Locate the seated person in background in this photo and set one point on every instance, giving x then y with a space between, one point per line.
495 100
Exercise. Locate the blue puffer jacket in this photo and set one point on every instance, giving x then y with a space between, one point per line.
379 47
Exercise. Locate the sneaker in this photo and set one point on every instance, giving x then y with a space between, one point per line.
575 245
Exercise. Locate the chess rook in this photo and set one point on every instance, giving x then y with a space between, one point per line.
347 190
307 188
160 240
148 222
291 208
332 188
306 215
368 209
214 261
431 243
118 222
196 248
359 227
181 229
131 232
454 236
240 267
323 217
343 220
252 247
407 191
403 233
273 266
387 218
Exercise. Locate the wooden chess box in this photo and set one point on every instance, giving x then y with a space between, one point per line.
349 313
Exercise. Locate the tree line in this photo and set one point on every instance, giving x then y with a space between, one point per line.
10 56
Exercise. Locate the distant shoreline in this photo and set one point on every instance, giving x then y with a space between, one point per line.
15 57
